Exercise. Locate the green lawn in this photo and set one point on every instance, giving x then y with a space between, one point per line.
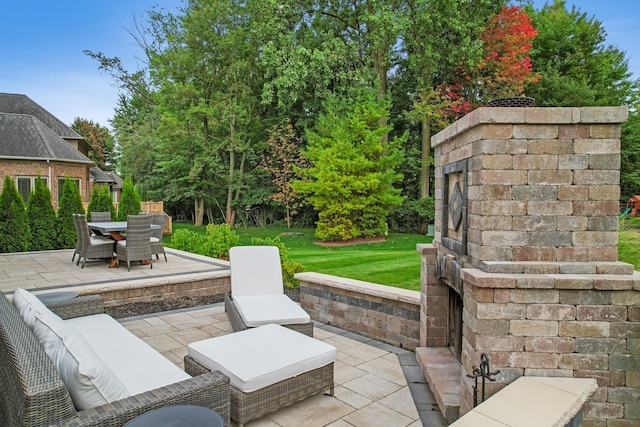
394 262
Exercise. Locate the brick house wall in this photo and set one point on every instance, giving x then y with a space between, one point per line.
52 170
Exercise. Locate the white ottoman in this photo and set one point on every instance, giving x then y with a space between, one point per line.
270 367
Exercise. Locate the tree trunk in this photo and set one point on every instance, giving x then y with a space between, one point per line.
426 153
199 210
229 208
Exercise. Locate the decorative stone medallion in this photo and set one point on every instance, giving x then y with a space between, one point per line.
454 206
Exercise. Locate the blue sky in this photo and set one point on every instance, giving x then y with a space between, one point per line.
42 43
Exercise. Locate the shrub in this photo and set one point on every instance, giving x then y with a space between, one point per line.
129 202
101 201
187 240
217 241
15 235
413 216
70 203
41 218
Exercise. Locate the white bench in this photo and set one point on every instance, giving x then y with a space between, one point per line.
532 401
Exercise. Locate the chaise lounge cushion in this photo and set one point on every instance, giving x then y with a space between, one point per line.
258 310
90 382
143 369
259 357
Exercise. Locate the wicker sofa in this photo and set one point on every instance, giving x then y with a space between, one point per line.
34 394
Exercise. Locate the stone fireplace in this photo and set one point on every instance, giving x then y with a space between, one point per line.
523 266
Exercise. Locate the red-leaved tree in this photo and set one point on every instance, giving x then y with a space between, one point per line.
282 157
506 66
504 70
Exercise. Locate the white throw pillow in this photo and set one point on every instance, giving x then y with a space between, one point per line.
29 306
89 380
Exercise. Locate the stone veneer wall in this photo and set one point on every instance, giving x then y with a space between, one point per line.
383 313
536 253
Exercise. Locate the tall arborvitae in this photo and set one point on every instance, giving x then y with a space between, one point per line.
15 235
70 203
41 218
129 202
101 201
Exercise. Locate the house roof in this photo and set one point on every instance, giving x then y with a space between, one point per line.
23 136
99 175
117 180
22 104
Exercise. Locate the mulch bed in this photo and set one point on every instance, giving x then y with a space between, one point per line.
141 308
356 241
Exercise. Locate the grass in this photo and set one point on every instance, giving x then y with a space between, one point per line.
394 262
629 241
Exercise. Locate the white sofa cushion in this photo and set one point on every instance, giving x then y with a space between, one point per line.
138 366
29 306
258 357
258 310
89 380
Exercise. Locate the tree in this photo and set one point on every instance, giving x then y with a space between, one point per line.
282 157
630 150
440 38
506 67
102 144
350 182
41 218
101 201
70 203
130 200
576 67
15 235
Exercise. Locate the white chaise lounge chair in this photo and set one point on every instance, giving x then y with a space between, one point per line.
257 291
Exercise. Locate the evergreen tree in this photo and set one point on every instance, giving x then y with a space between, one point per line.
41 218
576 65
101 201
351 181
15 235
93 202
106 201
130 200
70 203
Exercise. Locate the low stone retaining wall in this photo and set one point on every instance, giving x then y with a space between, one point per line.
158 289
384 313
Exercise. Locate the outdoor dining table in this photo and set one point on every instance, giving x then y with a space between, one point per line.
113 229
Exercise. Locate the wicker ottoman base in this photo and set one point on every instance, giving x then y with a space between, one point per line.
238 324
250 406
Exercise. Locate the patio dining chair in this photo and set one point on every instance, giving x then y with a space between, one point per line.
257 291
157 247
88 246
137 245
100 216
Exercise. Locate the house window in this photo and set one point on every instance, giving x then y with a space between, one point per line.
26 184
61 186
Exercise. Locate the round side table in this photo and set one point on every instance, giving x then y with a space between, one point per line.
178 416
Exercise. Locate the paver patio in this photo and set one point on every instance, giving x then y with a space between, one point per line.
376 384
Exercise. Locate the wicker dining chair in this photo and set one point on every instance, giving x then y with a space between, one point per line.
157 247
100 216
88 246
137 245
